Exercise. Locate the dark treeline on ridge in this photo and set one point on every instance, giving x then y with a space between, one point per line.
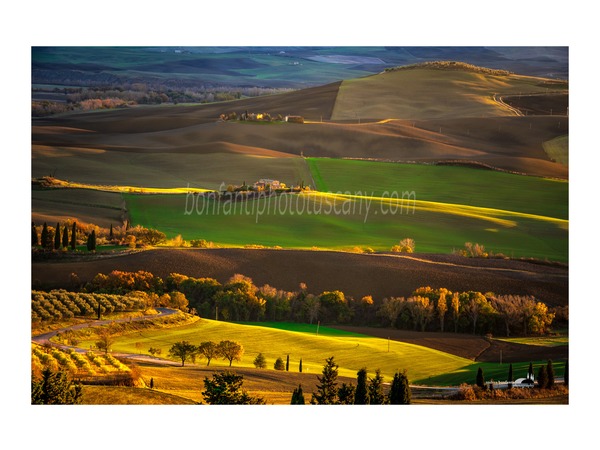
427 309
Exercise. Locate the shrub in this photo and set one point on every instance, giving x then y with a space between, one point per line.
406 245
260 362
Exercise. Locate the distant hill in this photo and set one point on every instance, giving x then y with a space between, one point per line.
274 67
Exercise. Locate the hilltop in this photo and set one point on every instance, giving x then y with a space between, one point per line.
451 65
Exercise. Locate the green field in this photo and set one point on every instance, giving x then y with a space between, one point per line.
515 215
447 184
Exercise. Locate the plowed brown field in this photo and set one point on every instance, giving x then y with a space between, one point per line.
354 274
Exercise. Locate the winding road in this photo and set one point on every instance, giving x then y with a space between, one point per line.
44 338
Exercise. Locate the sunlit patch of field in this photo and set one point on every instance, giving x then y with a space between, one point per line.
558 149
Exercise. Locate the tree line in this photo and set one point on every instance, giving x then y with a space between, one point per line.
427 309
71 234
185 351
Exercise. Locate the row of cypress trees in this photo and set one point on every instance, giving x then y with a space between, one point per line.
61 240
368 391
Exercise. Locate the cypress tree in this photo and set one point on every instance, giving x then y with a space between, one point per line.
111 236
376 396
74 236
34 236
346 394
400 390
550 373
300 366
361 396
566 374
298 396
91 241
530 372
510 376
57 237
479 381
65 237
287 363
327 387
46 242
542 378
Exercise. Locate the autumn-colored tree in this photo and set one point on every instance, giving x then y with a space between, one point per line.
209 350
442 307
231 351
456 310
105 339
541 319
421 311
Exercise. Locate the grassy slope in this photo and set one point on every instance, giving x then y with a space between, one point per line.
351 351
427 94
558 149
435 229
447 184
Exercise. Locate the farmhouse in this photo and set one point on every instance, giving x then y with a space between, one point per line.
264 182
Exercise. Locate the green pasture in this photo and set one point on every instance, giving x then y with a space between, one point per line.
448 184
306 328
542 341
351 352
342 223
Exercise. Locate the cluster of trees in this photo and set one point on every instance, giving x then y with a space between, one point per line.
58 305
71 234
54 388
225 388
431 309
367 391
129 94
227 350
428 309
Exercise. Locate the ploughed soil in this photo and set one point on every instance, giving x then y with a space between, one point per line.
477 348
539 104
357 275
